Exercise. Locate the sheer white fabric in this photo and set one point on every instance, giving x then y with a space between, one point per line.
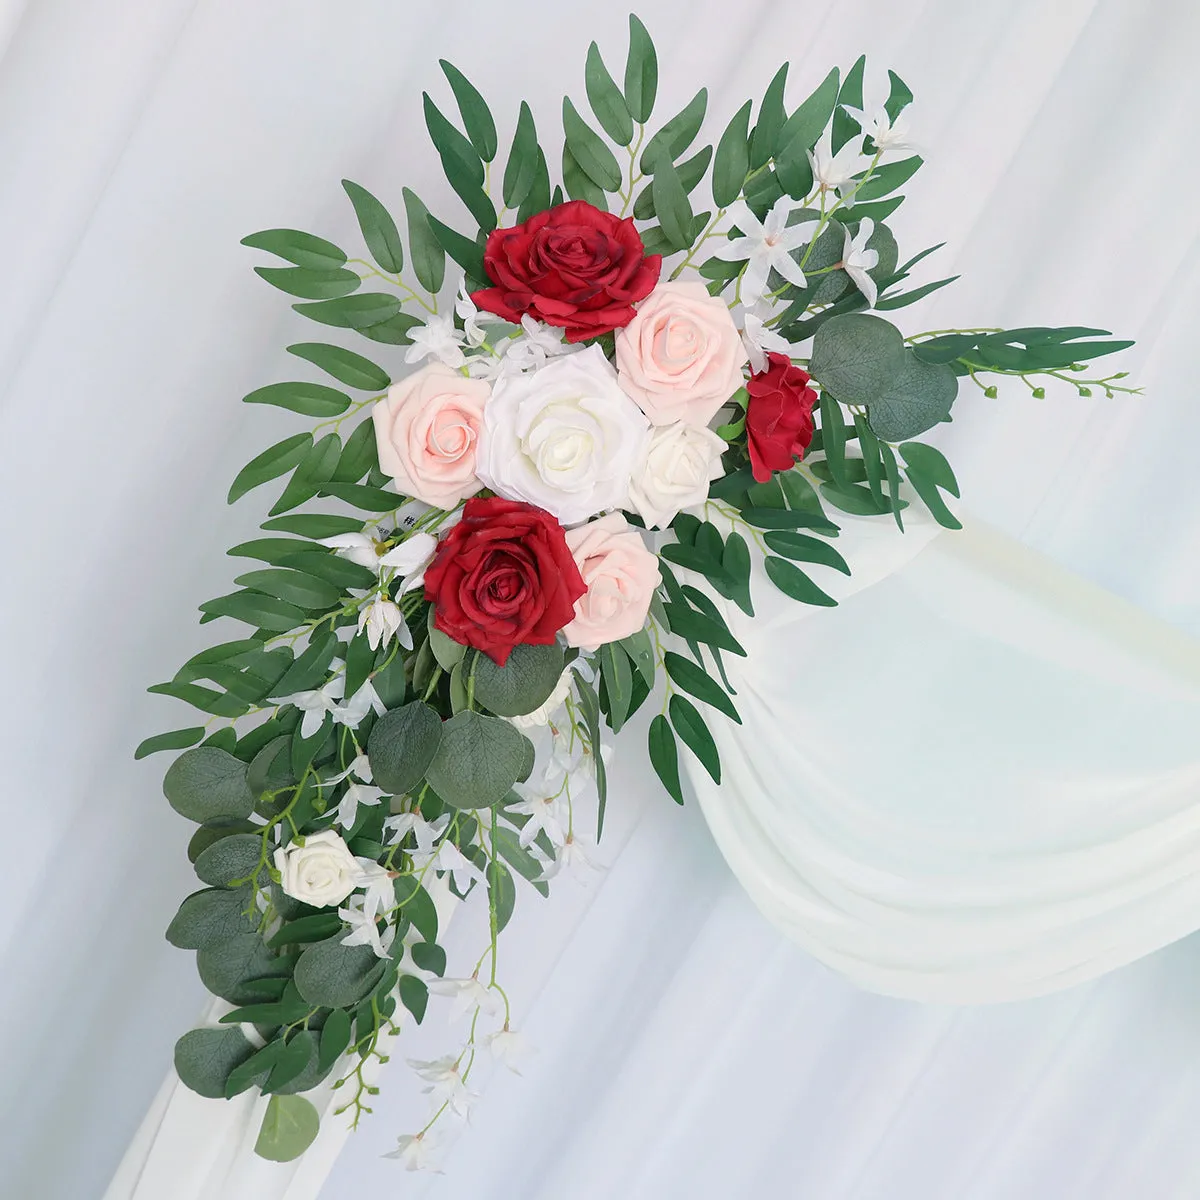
686 1048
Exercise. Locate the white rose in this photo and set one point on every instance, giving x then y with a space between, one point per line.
674 473
564 437
319 871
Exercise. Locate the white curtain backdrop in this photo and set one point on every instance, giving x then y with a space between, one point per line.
686 1048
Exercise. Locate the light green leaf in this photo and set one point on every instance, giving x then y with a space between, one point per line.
303 249
205 1057
521 685
402 744
641 72
206 784
446 650
425 251
309 399
289 1127
921 395
606 100
477 761
856 357
378 228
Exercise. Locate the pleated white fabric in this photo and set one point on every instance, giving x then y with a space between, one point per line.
687 1049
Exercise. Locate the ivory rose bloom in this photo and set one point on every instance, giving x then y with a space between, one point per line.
564 437
681 357
679 464
426 432
320 872
621 575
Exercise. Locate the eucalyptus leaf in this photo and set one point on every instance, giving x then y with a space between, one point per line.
331 974
226 966
232 860
205 1057
402 744
856 357
921 395
211 916
522 685
207 784
477 761
290 1125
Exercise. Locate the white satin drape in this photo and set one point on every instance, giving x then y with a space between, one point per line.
686 1049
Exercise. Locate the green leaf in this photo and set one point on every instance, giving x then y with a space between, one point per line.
270 464
537 199
467 253
477 119
401 746
206 835
317 928
664 757
694 680
478 204
295 587
892 471
521 170
331 974
899 97
314 471
921 395
579 184
641 72
904 299
418 906
299 1070
359 311
502 894
455 149
853 498
677 134
641 651
206 784
771 118
309 399
671 204
343 365
927 470
205 1057
289 1127
310 668
735 561
429 956
335 1038
477 761
414 995
509 846
589 150
589 704
793 582
255 1069
856 357
523 684
315 525
425 251
887 178
606 100
232 861
833 437
690 726
303 249
263 612
378 228
696 627
690 174
177 739
800 133
618 683
733 159
211 916
851 93
309 284
358 456
801 548
219 704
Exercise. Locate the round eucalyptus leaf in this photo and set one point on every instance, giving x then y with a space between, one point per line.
289 1127
236 857
402 745
214 831
523 684
856 357
312 1072
225 967
211 916
206 784
445 649
205 1057
921 395
334 975
478 761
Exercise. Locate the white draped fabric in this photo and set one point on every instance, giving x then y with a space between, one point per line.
687 1048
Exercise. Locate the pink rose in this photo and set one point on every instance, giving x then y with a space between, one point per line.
426 431
621 576
681 357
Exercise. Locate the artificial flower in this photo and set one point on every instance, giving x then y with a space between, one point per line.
426 434
465 308
318 869
565 437
426 833
571 857
621 577
857 260
674 472
448 857
779 421
547 814
437 338
445 1082
680 358
407 559
364 929
502 576
356 795
760 340
766 246
415 1152
382 619
316 704
573 266
365 700
508 1047
873 119
467 995
836 172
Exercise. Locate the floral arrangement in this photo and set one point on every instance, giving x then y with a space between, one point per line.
591 432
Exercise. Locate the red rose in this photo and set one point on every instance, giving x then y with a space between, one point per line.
779 423
503 576
572 266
